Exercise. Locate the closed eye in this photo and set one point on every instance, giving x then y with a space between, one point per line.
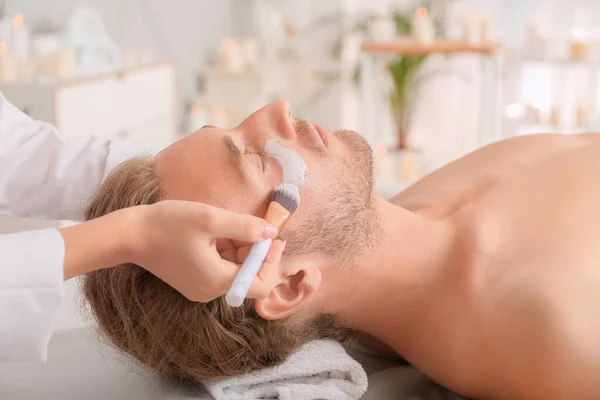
261 156
263 159
236 154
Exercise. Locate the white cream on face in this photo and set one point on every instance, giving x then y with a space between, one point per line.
292 164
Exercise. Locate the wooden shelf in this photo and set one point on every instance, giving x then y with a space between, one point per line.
86 78
561 62
529 128
408 47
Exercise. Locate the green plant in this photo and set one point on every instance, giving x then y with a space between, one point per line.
403 70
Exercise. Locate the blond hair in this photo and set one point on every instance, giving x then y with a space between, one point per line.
149 320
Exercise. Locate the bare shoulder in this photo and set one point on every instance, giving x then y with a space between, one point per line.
448 186
534 273
513 151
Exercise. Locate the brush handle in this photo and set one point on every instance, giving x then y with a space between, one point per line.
245 276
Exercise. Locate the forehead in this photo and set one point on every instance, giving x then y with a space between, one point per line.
200 168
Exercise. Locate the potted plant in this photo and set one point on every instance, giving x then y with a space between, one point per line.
404 71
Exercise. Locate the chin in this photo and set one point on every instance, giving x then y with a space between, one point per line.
357 144
347 133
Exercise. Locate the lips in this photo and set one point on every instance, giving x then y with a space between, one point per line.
323 134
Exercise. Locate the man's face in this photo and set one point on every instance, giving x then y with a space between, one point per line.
225 168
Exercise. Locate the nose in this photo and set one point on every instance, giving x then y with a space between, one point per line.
272 121
280 114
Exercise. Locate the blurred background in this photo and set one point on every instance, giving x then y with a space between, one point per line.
425 81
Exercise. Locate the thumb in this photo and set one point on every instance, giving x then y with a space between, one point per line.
243 227
268 275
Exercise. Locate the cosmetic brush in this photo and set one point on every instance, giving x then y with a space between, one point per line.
284 201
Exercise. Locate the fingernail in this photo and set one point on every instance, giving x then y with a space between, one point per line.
269 231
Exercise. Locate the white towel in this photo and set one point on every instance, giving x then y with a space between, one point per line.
318 370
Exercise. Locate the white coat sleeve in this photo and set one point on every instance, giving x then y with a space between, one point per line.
43 176
31 288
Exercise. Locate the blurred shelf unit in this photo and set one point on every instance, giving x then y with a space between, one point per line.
137 104
228 97
554 95
555 81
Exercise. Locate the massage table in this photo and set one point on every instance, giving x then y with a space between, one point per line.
80 367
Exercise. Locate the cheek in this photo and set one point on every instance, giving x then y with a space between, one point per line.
309 198
312 193
246 201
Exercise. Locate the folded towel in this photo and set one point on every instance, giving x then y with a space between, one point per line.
405 382
318 370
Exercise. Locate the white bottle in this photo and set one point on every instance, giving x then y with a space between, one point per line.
19 38
422 29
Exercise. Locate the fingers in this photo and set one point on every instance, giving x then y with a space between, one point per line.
269 273
224 272
216 283
227 250
222 223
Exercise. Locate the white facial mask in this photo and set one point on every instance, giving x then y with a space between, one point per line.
292 164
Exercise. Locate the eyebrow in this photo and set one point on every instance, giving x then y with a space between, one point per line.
234 151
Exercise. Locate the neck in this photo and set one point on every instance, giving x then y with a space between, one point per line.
385 291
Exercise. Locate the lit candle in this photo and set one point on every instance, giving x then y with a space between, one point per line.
423 31
198 118
44 44
19 38
249 50
533 42
5 28
62 64
410 167
130 59
486 28
471 32
27 70
580 116
555 118
578 50
8 65
579 45
146 57
219 117
230 56
383 163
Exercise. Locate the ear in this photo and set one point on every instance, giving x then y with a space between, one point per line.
291 294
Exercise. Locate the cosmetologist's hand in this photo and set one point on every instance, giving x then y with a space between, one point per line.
186 244
178 244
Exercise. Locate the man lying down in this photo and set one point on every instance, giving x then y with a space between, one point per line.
485 275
